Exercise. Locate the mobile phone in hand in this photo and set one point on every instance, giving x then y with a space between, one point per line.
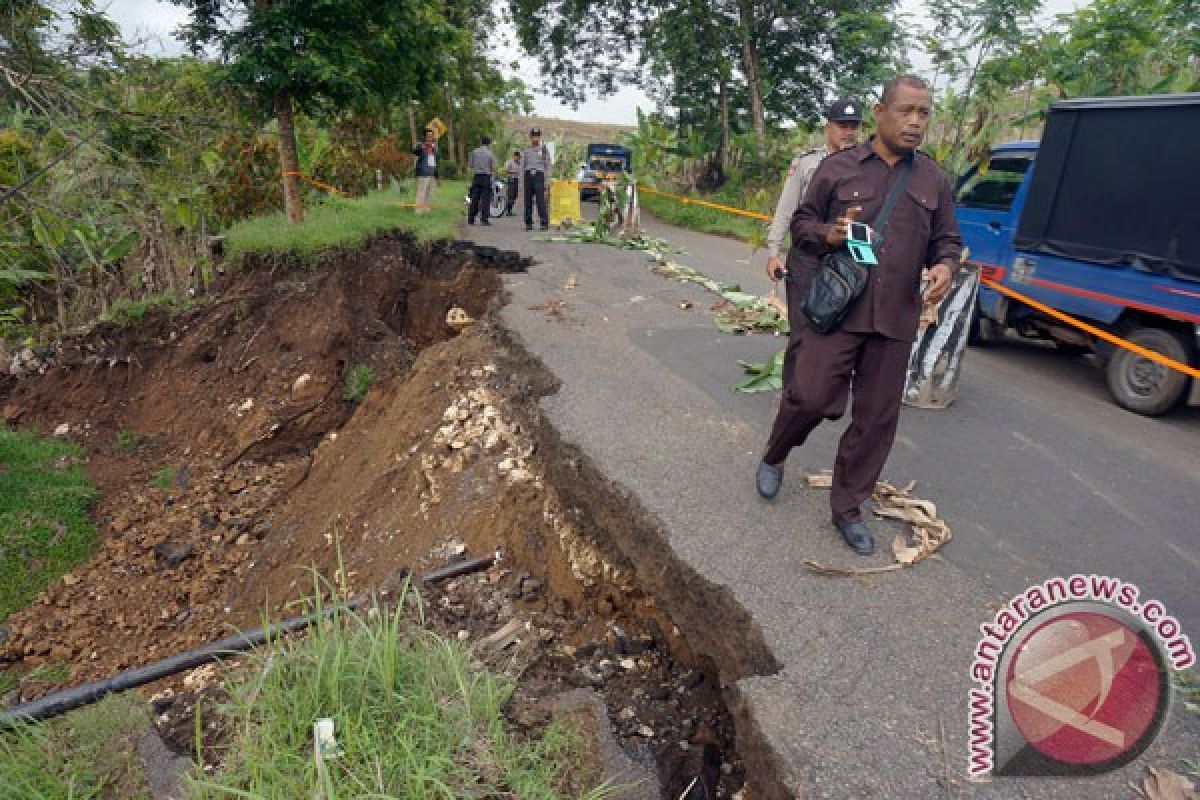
860 232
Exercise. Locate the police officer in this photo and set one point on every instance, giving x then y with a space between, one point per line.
842 122
483 171
512 171
535 164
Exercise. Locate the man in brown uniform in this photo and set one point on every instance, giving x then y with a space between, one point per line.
872 343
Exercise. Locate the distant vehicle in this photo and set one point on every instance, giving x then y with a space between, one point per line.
605 162
1100 220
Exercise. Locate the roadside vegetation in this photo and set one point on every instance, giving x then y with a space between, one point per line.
339 222
704 219
44 526
90 754
412 718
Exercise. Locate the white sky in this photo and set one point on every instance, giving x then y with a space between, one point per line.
154 20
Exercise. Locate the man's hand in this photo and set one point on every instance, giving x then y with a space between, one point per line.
940 277
840 231
775 269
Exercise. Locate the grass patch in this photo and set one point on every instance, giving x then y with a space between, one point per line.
412 720
127 440
348 222
358 382
130 312
165 478
44 525
704 219
87 755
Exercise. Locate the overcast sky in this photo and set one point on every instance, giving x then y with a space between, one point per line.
153 21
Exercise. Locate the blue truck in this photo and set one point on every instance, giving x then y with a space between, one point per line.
605 164
1100 220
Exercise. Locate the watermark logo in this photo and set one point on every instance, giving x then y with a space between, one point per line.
1072 678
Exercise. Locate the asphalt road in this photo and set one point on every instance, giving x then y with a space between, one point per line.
1036 470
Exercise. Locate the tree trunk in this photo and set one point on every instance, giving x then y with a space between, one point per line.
289 160
412 125
962 116
723 152
60 296
753 80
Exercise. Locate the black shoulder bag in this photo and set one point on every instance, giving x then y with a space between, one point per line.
839 280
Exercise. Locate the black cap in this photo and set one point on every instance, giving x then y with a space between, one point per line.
535 131
844 109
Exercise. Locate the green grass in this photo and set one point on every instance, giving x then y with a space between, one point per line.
412 719
165 478
131 312
358 382
44 525
127 440
88 755
704 219
336 222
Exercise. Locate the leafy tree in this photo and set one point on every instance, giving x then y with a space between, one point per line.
321 55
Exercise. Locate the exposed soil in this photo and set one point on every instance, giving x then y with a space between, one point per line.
248 472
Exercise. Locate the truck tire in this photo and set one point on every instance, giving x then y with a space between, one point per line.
984 330
1142 385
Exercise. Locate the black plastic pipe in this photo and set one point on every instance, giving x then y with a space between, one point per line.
69 699
61 702
465 567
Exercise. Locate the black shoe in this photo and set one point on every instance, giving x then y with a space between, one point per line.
528 227
768 479
485 222
470 222
857 535
545 227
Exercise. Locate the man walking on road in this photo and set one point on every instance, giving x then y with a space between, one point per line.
483 174
512 171
426 171
873 341
535 165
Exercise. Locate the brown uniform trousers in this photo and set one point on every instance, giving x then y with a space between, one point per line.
818 369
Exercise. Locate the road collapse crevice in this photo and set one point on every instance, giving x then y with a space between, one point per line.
446 455
715 632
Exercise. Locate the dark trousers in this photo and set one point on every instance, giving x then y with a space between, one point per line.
481 198
535 188
817 384
510 191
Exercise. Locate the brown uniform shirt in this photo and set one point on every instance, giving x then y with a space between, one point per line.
921 232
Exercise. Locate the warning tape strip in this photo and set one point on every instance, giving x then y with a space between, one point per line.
315 182
399 204
1113 339
318 184
693 201
1099 333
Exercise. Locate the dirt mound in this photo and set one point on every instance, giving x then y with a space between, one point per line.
234 469
199 427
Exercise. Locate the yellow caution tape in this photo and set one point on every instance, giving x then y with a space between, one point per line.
1113 339
1099 333
693 201
316 183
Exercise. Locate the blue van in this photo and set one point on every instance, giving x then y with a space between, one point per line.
1100 220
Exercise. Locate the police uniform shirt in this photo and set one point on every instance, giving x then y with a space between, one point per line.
799 175
536 159
482 162
513 168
